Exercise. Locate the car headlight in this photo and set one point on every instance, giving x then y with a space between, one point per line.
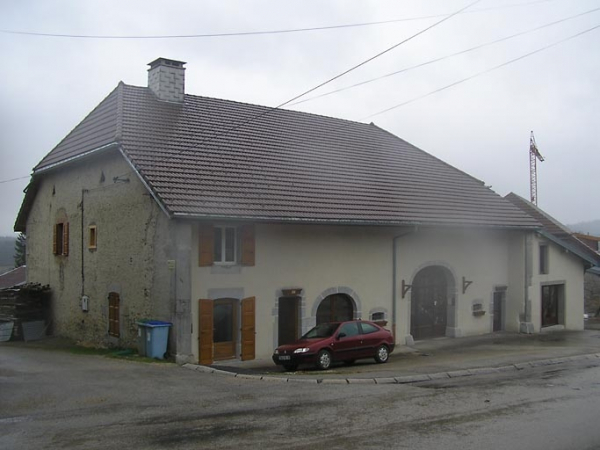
301 350
276 352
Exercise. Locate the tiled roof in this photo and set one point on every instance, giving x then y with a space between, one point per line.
555 228
282 166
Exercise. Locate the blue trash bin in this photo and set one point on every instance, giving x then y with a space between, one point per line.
157 337
142 337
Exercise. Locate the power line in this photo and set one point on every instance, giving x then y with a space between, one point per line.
526 55
270 110
371 80
14 179
257 33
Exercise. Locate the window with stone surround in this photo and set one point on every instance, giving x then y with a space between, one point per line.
60 241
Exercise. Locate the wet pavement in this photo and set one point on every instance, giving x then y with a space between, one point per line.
437 358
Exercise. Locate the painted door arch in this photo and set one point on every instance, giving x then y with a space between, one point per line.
430 302
335 308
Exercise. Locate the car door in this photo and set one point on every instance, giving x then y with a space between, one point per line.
371 338
347 342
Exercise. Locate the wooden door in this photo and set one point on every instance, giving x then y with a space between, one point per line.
429 302
205 331
225 328
498 307
248 328
288 321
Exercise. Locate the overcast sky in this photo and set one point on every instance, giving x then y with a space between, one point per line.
481 126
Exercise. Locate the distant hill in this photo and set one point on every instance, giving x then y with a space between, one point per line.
592 227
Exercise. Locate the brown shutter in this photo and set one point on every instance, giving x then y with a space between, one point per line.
206 237
248 328
248 246
113 314
205 331
54 239
65 238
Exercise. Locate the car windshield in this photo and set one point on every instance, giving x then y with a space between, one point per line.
321 331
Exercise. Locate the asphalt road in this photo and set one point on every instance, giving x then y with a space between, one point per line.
57 400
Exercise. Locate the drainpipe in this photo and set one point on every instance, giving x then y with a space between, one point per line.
83 191
394 277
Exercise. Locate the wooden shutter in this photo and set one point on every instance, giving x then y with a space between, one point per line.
113 314
248 328
55 239
205 331
248 246
65 249
206 237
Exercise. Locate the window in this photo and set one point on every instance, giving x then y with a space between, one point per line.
377 316
225 245
92 237
60 239
113 314
367 328
543 259
349 329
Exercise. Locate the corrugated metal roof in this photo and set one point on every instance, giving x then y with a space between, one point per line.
13 278
282 166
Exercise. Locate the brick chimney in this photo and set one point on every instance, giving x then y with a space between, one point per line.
166 78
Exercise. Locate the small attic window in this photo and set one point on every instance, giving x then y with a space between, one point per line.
92 237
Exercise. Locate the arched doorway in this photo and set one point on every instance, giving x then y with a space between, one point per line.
335 308
431 290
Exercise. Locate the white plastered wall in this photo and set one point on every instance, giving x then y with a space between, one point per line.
358 261
564 268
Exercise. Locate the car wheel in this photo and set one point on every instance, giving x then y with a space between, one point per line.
324 360
349 362
382 354
290 367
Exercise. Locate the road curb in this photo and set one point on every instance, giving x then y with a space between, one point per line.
404 379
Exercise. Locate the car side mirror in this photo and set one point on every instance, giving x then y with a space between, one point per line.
341 335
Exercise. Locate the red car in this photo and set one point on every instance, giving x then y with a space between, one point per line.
336 341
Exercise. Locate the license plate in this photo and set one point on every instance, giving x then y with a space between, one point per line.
284 358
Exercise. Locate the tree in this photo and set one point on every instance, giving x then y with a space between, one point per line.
20 250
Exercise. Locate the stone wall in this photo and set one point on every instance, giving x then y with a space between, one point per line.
130 258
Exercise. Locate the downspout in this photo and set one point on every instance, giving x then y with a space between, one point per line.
394 277
83 191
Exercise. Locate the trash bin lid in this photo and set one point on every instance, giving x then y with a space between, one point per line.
157 323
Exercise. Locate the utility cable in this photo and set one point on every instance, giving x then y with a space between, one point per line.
257 33
462 52
270 110
526 55
14 179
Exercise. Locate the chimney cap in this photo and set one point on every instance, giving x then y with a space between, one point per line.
166 62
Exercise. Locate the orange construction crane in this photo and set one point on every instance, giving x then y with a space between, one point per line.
534 155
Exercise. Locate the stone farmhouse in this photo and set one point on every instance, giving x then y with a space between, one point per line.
245 225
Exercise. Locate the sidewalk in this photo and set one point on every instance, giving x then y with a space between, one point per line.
437 358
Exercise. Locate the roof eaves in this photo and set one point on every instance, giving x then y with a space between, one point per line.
42 169
288 220
568 247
